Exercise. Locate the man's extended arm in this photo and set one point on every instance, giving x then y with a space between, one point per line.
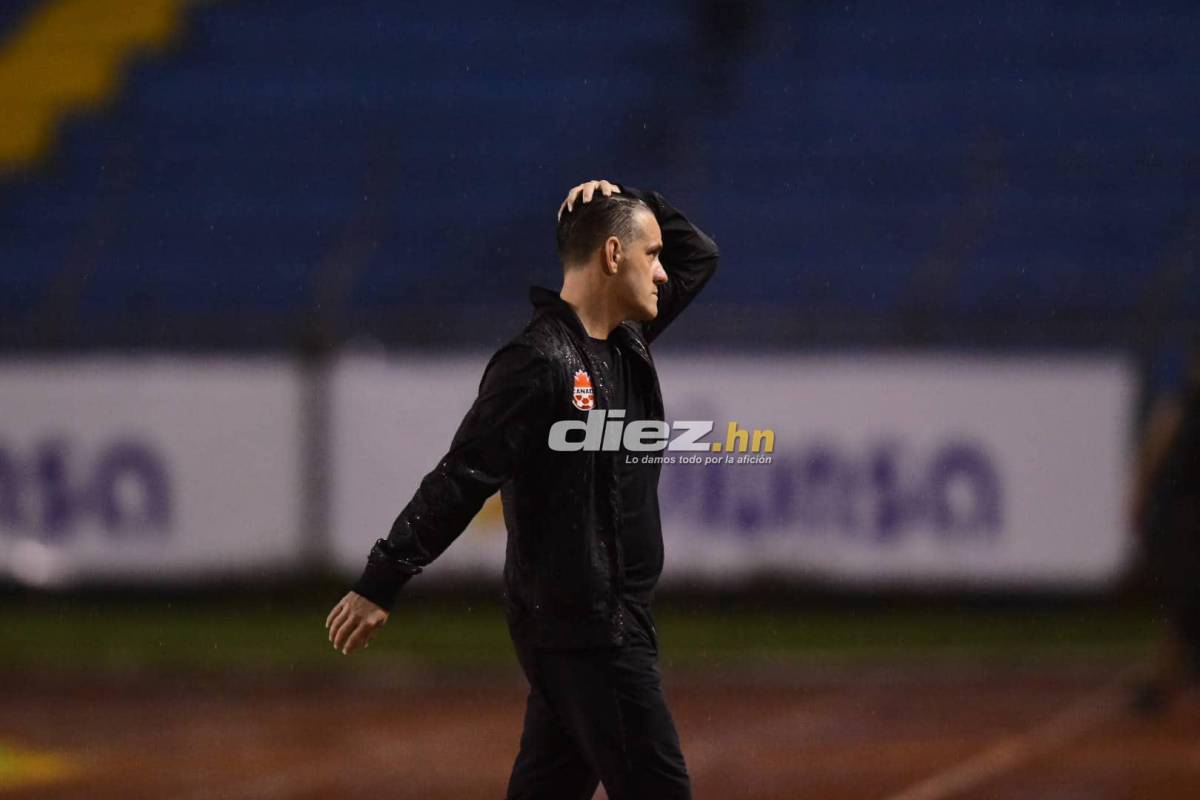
689 256
502 424
513 400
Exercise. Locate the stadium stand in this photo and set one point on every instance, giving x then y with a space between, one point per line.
282 163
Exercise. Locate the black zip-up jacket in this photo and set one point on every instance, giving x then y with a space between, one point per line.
563 566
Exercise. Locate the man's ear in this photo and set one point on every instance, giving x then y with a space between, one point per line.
612 255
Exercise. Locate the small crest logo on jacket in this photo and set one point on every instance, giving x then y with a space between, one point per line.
582 396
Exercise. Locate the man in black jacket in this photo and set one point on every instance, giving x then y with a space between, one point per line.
584 546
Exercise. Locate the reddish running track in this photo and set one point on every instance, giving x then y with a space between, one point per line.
911 733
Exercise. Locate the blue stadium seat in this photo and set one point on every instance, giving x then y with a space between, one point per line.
1001 159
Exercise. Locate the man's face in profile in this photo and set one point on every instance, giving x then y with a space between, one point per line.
640 273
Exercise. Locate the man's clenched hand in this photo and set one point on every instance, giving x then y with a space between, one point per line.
587 189
353 621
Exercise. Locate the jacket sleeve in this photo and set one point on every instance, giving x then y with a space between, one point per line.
504 422
689 257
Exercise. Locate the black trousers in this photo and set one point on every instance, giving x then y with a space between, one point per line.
599 715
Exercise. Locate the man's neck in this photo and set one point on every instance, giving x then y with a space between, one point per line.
597 315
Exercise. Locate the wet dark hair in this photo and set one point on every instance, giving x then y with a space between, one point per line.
584 229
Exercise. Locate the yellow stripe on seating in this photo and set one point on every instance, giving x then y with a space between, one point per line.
20 767
68 56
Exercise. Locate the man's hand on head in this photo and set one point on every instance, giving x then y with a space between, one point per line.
353 621
585 192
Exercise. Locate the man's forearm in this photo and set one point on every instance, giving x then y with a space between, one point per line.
441 509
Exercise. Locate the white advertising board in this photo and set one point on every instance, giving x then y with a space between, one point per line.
998 472
393 420
147 470
989 472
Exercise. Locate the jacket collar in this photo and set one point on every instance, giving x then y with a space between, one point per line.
547 301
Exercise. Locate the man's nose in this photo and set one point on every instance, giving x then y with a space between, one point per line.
660 275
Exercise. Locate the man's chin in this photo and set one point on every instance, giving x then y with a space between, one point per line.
643 313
